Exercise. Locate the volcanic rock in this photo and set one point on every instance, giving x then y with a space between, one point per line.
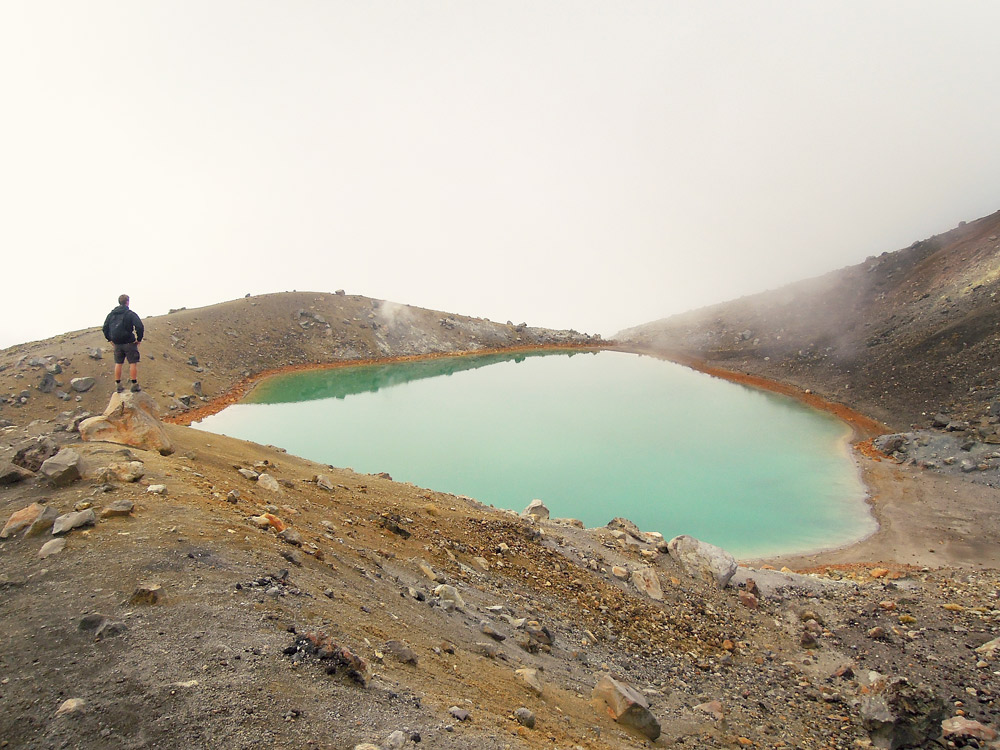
21 520
130 419
645 580
82 385
12 474
62 469
627 706
902 715
33 454
703 560
536 509
73 520
52 547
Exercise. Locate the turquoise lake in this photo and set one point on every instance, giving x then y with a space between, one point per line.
593 434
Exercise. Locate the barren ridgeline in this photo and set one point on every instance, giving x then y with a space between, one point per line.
228 594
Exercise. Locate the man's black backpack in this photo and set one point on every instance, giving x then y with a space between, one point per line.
119 329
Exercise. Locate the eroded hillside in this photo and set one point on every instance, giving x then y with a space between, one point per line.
900 337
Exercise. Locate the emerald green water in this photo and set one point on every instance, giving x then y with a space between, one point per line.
594 435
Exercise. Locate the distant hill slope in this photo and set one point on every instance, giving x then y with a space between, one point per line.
220 345
900 337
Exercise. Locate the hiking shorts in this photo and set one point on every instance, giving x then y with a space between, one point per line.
126 351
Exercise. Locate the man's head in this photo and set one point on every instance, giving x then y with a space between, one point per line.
123 299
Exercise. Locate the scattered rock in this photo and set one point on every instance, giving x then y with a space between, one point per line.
157 489
460 714
291 536
71 706
52 547
62 469
118 508
530 677
81 385
448 593
401 651
525 717
12 474
125 472
147 593
269 483
645 580
21 519
43 523
959 727
627 706
487 629
75 520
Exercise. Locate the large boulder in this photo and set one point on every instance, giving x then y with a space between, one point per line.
130 419
627 706
703 560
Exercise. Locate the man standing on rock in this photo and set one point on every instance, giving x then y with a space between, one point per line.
123 328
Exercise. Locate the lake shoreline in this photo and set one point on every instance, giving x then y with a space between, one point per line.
907 504
925 519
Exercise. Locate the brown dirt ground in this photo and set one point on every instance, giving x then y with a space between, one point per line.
206 667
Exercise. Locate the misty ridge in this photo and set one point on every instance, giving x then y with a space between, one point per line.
898 336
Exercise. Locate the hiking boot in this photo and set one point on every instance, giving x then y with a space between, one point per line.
135 388
120 388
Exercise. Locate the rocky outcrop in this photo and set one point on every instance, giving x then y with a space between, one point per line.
902 715
898 337
130 419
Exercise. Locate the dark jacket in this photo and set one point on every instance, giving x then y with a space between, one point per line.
124 321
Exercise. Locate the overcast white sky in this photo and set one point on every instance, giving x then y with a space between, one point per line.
580 164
